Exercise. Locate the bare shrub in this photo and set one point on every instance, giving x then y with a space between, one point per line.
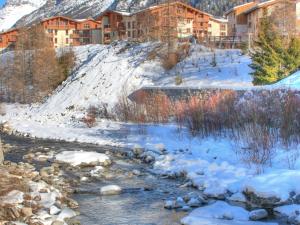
90 118
154 107
290 124
258 143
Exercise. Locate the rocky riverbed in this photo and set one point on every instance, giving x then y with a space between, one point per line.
58 183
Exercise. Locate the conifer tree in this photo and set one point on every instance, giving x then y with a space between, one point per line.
268 57
292 57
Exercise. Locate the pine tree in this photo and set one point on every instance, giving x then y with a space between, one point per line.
292 57
268 58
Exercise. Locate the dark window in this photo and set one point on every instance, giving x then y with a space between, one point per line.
55 32
55 40
67 32
128 25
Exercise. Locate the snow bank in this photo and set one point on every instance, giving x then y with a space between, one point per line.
76 158
206 221
220 213
291 82
277 183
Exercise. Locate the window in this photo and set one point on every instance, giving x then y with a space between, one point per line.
55 32
133 25
223 27
188 30
50 31
129 34
55 40
86 26
67 32
0 39
67 40
128 25
201 24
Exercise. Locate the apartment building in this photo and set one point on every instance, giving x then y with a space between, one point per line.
237 20
217 27
282 12
64 31
8 38
160 22
163 22
244 20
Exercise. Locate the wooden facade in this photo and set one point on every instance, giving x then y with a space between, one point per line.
8 38
174 20
62 32
244 20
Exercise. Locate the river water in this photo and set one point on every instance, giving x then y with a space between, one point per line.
142 201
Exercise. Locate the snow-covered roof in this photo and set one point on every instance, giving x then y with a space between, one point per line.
220 20
238 6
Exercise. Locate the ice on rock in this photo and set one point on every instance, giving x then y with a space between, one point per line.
77 158
110 190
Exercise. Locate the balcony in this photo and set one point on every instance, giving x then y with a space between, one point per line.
58 26
77 35
107 40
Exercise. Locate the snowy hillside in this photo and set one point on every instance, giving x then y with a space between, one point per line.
291 82
104 71
14 10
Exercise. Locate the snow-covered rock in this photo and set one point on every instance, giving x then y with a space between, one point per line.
77 158
220 213
237 197
54 210
210 221
258 214
218 210
110 190
287 211
13 197
66 213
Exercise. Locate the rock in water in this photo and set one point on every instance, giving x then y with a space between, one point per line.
110 190
258 214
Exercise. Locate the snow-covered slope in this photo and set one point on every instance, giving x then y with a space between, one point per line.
292 82
103 72
14 10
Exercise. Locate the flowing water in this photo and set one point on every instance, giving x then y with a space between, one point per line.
141 202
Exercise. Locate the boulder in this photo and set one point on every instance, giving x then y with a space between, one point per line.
258 214
26 211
